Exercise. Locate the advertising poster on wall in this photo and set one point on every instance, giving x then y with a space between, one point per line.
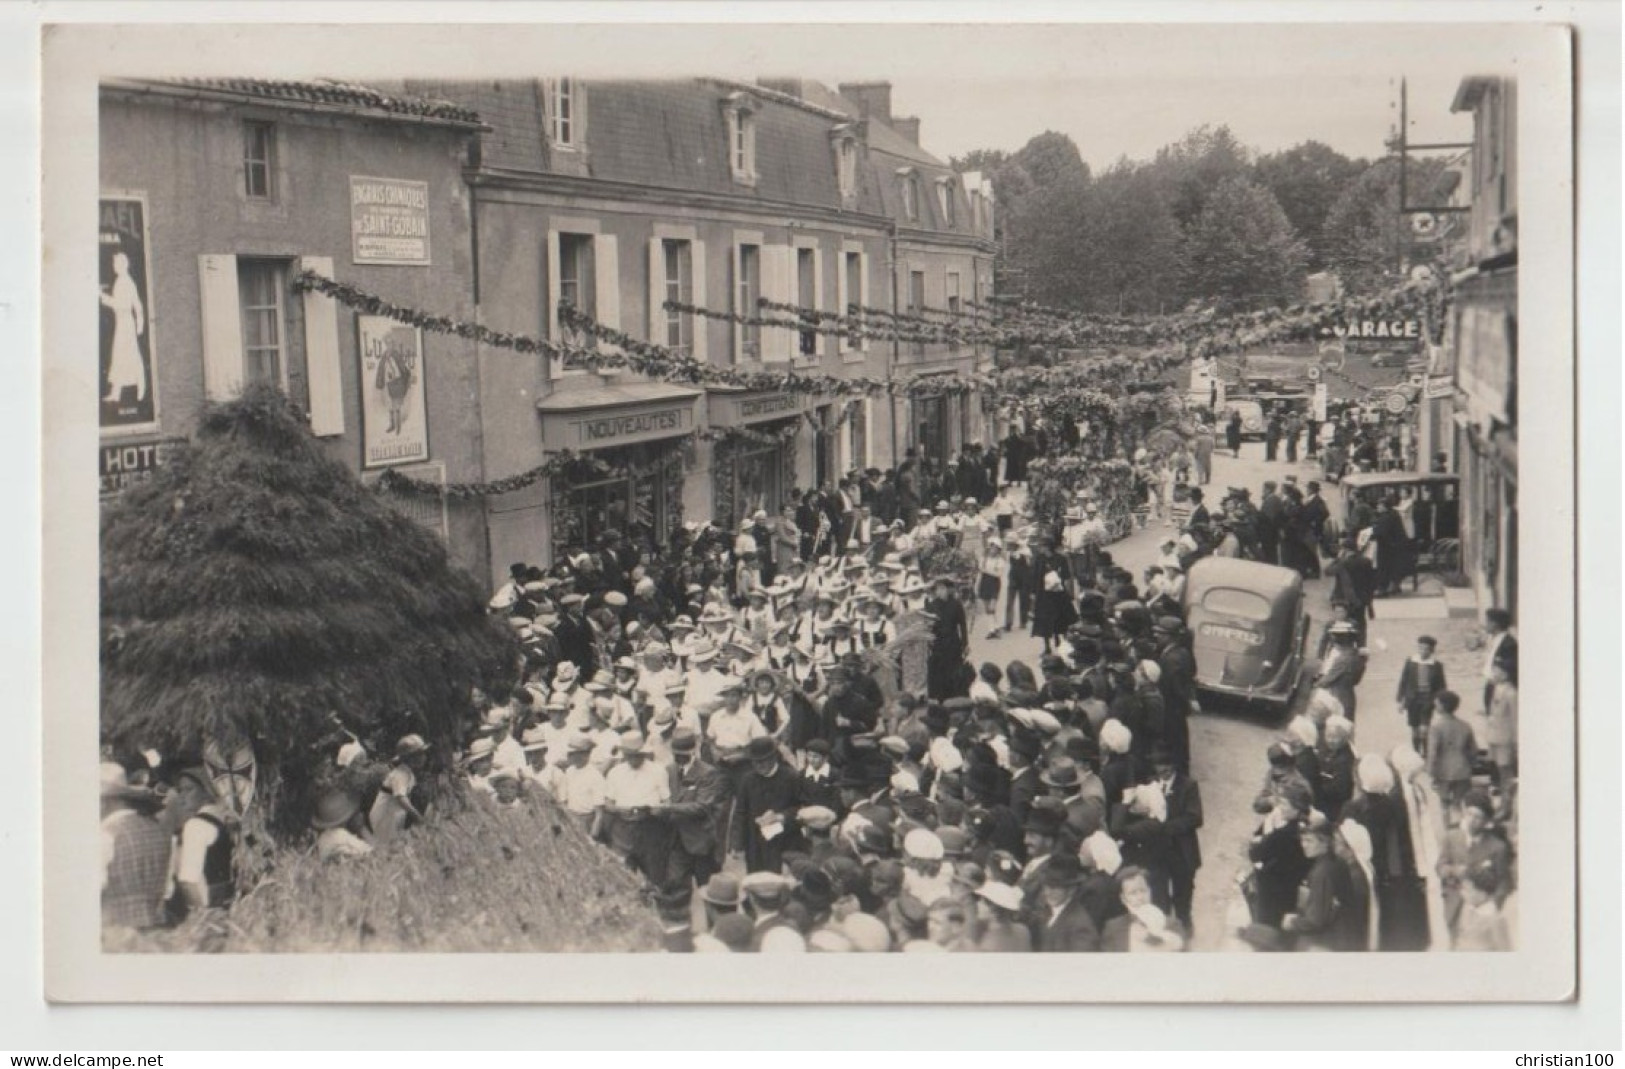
394 416
129 396
389 221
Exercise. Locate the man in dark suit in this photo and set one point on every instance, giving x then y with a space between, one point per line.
1184 819
1062 924
1178 683
1354 580
699 802
1024 782
1270 513
574 636
1314 517
763 828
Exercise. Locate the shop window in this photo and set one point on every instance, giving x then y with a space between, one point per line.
747 292
259 160
678 259
640 501
807 298
260 286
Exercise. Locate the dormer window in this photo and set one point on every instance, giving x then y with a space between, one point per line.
564 127
945 200
845 140
911 194
740 111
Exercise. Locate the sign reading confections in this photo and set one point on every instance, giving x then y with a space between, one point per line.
389 221
127 387
736 410
394 415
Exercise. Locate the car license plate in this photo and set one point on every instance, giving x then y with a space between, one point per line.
1232 634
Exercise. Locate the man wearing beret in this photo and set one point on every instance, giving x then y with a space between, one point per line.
763 827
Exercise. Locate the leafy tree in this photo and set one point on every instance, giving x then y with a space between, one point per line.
254 588
1052 159
1307 180
1190 169
1371 242
1132 243
1241 252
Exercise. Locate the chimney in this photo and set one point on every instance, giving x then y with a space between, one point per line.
872 98
909 127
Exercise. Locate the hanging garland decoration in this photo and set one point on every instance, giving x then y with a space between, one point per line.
571 465
748 435
1204 335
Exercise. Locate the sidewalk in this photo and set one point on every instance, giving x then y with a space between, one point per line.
1391 638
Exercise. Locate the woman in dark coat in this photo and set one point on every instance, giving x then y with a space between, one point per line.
1053 614
950 639
1276 852
1232 433
1394 549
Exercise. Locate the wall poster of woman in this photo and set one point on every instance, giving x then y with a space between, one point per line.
129 400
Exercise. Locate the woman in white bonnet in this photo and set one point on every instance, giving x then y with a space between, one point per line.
1424 812
1355 852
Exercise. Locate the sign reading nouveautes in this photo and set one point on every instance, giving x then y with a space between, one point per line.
604 430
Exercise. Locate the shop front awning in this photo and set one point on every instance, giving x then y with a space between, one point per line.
607 417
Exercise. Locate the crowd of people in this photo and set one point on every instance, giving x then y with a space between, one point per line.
780 729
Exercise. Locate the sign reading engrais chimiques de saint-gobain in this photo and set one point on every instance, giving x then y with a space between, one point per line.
389 221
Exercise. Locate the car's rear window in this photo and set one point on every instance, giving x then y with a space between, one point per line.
1233 602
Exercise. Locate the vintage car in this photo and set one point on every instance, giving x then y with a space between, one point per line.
1253 423
1249 628
1429 504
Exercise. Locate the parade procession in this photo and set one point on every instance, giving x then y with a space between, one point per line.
692 517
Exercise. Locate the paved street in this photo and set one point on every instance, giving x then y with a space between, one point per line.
1228 743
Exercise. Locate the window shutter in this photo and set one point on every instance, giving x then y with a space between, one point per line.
863 294
555 365
606 281
818 294
735 273
222 327
657 291
702 325
322 369
777 342
842 299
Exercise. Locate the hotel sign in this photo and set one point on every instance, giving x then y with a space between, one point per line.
125 465
733 411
